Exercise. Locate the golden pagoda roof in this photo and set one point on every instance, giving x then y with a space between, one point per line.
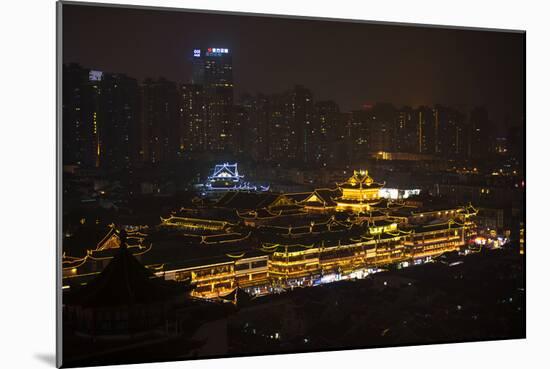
360 179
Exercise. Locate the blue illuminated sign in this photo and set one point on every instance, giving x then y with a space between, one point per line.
197 53
217 51
95 75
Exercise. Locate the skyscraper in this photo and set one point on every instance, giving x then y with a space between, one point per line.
161 121
405 130
241 130
303 124
449 137
75 133
192 118
257 142
478 133
381 127
281 133
358 134
119 117
331 130
292 130
424 122
213 70
100 118
81 116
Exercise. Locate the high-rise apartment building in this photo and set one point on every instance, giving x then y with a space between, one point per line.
213 70
100 118
478 133
160 129
330 133
192 118
119 121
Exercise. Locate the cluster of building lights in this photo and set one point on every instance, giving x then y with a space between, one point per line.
274 267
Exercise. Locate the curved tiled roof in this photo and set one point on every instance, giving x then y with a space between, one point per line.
360 179
124 281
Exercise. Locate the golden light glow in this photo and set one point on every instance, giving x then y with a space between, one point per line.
379 244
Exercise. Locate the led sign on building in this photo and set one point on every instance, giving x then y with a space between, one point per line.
95 75
216 51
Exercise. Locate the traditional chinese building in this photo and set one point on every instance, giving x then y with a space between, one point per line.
226 177
262 242
125 299
359 193
93 259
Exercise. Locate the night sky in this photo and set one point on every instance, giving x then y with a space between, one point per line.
351 63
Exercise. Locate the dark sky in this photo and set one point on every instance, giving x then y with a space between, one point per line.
351 63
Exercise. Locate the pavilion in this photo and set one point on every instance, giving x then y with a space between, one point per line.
124 300
359 193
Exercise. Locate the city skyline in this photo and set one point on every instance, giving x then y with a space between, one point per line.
115 119
422 66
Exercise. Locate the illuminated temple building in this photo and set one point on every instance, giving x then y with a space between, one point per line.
359 193
226 177
262 242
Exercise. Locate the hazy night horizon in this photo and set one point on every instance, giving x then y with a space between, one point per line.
350 63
